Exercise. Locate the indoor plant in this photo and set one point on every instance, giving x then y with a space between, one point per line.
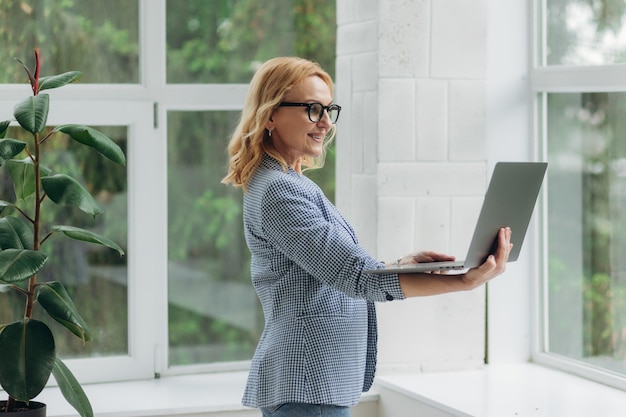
27 346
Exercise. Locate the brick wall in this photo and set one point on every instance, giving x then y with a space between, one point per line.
412 158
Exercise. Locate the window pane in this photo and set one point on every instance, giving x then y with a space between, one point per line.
99 38
223 41
214 314
586 32
94 276
587 228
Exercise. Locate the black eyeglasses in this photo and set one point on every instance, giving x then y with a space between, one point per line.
316 110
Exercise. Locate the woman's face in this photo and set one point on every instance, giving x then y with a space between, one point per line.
293 134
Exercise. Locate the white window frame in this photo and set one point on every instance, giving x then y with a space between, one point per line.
560 79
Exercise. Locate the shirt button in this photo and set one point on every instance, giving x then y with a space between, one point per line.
389 297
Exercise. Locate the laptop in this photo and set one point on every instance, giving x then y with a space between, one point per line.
509 201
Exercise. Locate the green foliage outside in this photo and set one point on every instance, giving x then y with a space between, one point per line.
587 227
224 41
99 37
605 18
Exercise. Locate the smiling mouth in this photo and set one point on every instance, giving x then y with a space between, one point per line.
318 137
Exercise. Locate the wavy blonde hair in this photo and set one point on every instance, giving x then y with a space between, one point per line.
250 140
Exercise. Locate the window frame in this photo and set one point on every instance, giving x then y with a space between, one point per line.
545 80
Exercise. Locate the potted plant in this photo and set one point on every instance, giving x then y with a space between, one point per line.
27 345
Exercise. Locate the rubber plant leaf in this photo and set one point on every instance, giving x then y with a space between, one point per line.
15 234
71 389
22 173
54 298
55 81
32 113
4 126
28 353
17 265
95 139
66 191
9 148
5 204
87 236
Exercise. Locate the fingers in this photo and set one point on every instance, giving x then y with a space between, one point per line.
431 256
504 245
495 264
424 256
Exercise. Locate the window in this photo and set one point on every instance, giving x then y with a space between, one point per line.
213 312
580 102
166 79
225 42
98 38
214 315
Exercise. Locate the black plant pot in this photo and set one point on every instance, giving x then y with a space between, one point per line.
33 409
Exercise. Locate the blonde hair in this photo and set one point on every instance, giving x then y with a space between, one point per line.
250 140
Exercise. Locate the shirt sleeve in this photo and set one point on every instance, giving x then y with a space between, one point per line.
323 245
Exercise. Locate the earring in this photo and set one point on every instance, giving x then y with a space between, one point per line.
269 131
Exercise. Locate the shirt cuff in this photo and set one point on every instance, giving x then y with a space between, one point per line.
390 286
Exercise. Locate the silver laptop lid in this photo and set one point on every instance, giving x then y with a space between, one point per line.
509 201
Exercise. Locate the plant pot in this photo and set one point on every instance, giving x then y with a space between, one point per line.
33 409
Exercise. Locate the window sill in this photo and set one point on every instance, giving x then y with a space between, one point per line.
495 391
167 396
198 395
508 390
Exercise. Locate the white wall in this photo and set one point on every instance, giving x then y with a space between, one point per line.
509 138
415 153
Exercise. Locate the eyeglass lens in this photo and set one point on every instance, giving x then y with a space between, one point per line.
316 112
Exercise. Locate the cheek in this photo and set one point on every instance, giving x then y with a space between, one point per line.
295 128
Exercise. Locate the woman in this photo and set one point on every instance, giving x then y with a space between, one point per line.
317 352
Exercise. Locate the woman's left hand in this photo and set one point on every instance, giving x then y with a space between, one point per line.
494 265
424 256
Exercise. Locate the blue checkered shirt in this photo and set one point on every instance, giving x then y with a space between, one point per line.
319 341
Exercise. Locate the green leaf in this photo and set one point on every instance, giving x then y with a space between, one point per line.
22 173
55 81
97 140
66 191
71 389
87 236
32 113
18 265
28 354
4 126
15 234
53 297
5 204
9 148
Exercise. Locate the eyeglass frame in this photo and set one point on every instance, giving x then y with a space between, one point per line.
310 105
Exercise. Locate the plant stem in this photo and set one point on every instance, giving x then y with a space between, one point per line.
10 404
18 289
32 282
